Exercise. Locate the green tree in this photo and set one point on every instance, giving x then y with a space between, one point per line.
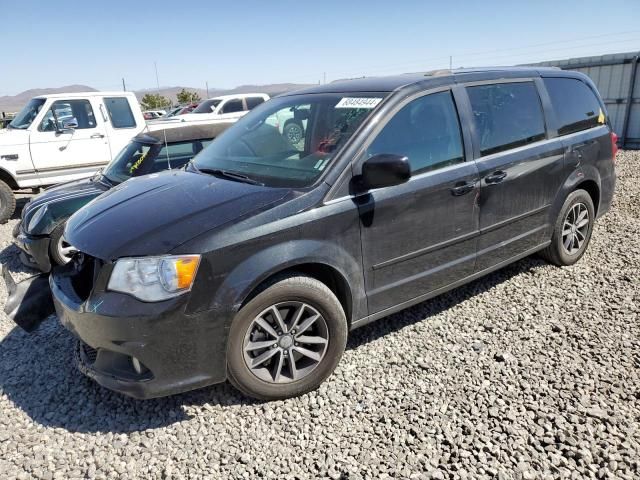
185 96
153 101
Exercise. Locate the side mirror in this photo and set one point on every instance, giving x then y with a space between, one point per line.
69 124
385 170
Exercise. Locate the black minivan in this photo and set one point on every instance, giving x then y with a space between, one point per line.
254 261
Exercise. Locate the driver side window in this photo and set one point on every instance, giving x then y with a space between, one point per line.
426 131
61 111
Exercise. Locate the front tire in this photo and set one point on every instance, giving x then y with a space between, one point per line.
286 340
572 230
7 202
60 250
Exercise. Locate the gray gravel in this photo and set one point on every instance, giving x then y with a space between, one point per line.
532 372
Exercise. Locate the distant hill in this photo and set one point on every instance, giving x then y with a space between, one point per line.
14 103
271 89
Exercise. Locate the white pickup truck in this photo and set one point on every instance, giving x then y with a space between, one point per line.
62 137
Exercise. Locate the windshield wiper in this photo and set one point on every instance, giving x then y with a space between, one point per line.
231 175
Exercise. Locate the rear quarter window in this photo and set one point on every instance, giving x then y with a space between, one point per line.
576 106
120 112
506 115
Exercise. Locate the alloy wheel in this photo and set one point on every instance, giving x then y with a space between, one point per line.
65 249
286 342
575 229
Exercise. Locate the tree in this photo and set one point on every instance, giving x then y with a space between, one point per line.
185 96
154 101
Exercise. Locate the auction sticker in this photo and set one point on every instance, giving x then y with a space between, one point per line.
358 102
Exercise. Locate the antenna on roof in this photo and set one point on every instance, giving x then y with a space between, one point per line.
164 131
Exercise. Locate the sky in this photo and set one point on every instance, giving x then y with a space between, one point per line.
56 43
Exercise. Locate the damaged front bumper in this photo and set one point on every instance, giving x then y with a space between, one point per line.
141 349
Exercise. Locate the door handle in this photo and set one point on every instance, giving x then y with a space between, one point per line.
97 135
461 188
495 177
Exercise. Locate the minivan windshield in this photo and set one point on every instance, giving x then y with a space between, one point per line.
28 114
288 141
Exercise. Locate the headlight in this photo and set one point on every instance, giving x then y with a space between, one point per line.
152 279
35 219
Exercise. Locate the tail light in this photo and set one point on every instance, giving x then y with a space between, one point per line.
614 145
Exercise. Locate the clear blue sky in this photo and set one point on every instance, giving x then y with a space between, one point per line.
55 43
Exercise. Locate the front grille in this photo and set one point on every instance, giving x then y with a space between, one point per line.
89 354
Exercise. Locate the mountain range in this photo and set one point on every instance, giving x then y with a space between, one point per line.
13 103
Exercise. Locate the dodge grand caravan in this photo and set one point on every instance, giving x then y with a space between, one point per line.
253 262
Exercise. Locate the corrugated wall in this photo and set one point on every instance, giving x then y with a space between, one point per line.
612 74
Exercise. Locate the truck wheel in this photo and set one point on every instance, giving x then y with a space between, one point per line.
572 230
7 202
59 250
287 340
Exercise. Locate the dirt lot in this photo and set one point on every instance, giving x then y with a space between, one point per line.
531 372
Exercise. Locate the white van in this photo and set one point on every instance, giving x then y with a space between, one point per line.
62 137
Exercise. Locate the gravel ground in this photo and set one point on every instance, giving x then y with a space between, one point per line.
531 372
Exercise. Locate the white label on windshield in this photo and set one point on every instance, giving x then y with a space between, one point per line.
358 102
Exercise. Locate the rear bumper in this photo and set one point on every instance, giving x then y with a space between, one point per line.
35 250
175 352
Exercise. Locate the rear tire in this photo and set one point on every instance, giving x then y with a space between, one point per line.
571 235
297 357
7 202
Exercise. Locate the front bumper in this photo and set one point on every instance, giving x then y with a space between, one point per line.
34 249
175 351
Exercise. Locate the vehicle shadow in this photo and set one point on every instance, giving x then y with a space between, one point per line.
38 374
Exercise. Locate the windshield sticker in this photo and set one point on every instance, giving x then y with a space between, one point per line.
358 102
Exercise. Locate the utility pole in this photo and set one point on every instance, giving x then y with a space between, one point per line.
324 76
207 84
124 87
450 62
155 65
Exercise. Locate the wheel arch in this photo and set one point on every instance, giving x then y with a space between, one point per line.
9 179
592 188
327 274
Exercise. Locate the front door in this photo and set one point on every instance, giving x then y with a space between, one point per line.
520 170
64 154
421 235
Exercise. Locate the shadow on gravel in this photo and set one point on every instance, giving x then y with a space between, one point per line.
38 375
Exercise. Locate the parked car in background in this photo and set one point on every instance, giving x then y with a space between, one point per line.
173 112
254 262
153 114
60 137
226 106
160 147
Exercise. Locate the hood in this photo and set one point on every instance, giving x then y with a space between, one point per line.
10 137
46 210
153 214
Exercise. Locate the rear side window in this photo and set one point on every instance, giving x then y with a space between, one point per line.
176 155
120 112
253 102
577 107
234 105
506 115
426 131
